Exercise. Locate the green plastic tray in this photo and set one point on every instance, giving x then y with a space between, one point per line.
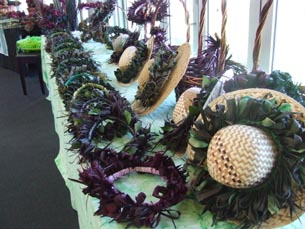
29 44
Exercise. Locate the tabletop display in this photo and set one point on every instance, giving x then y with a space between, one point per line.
152 137
116 163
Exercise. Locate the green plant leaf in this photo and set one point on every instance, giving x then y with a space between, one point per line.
193 110
205 81
272 205
128 117
285 107
138 126
94 111
242 104
197 143
267 122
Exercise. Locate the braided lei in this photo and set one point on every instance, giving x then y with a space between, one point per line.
100 176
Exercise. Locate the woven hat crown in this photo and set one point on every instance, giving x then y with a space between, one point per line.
185 100
241 156
126 57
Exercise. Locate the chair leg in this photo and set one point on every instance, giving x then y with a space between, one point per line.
22 77
40 78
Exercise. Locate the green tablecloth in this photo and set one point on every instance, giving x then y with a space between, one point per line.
66 161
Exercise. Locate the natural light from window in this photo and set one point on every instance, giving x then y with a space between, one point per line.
289 43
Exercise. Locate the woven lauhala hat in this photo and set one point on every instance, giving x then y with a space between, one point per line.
181 109
242 156
129 53
184 52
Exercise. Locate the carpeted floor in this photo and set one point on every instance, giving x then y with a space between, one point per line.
32 192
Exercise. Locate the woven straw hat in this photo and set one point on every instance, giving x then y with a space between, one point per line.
126 57
130 52
181 109
242 156
184 52
119 42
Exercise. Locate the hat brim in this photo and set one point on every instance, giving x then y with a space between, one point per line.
261 93
184 52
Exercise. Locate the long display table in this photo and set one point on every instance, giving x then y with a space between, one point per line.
67 161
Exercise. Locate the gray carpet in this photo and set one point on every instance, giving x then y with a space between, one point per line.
32 192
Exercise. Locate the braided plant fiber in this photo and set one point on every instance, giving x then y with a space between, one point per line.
181 109
241 156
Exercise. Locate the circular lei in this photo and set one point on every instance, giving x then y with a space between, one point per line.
100 176
97 114
254 205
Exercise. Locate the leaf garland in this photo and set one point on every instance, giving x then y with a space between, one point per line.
97 114
254 205
70 65
142 12
99 180
68 53
54 36
97 22
66 43
142 142
164 61
276 80
77 80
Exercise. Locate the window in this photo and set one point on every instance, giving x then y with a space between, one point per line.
288 41
282 36
237 27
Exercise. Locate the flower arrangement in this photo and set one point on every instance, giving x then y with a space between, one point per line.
52 18
95 26
143 12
